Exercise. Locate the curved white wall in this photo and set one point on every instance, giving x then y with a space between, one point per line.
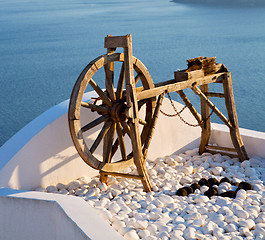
42 216
49 156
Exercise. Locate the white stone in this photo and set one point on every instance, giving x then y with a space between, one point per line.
188 170
185 180
230 227
143 233
61 186
171 161
63 191
131 235
231 218
177 234
81 192
180 159
250 171
217 171
249 223
152 228
165 199
201 199
114 208
192 152
241 214
118 224
189 233
73 185
260 230
153 216
51 189
141 224
209 227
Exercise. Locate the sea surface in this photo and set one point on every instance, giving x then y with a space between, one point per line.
44 45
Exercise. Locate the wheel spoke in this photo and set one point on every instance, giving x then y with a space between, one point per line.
143 122
126 128
121 142
100 136
103 96
109 77
95 107
107 146
137 78
120 83
94 123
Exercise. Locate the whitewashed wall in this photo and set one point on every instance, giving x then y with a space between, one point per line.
42 153
43 216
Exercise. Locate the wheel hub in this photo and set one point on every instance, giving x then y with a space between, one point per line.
119 112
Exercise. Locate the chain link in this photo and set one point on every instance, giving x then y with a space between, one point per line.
179 112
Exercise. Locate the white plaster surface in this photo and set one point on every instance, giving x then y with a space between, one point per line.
49 156
42 216
254 141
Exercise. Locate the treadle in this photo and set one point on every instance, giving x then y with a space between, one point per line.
122 175
231 152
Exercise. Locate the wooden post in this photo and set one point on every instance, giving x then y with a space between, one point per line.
134 122
231 111
206 121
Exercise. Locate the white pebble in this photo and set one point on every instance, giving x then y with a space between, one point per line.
201 199
217 171
185 180
249 223
61 186
73 185
52 189
131 235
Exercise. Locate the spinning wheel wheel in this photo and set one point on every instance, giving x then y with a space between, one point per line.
113 112
114 116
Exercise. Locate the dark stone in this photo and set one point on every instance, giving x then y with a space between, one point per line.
213 181
188 189
231 194
245 185
225 179
195 186
211 192
204 182
182 192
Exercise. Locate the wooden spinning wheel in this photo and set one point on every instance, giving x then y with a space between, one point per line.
117 108
114 113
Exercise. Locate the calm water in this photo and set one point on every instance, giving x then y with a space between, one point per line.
45 44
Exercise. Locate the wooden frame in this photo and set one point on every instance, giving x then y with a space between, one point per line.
119 111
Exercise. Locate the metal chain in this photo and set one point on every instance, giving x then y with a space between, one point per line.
179 112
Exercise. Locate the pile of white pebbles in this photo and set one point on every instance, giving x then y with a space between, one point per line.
161 214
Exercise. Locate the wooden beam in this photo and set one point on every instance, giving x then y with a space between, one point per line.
189 106
225 149
176 86
116 41
213 94
197 91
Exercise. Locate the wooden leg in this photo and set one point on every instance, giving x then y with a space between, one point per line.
138 155
206 125
231 110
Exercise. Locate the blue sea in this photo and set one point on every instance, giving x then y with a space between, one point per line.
44 45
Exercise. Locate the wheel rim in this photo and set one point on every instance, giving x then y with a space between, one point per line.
112 114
